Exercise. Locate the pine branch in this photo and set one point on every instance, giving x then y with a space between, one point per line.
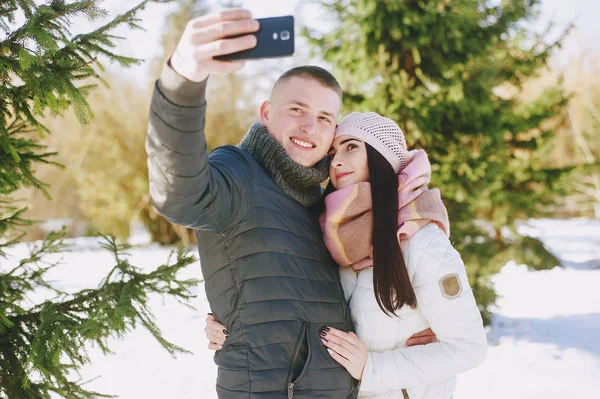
49 339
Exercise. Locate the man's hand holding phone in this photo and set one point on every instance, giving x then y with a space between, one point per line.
209 36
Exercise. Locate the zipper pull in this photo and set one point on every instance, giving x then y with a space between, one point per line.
290 390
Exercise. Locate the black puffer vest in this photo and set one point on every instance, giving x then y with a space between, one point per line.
271 281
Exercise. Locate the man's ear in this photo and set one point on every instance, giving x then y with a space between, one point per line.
265 111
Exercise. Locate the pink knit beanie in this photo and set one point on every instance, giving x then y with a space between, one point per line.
381 133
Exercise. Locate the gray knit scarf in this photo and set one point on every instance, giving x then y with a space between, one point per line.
299 182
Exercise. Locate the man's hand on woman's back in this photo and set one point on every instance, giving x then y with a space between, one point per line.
422 338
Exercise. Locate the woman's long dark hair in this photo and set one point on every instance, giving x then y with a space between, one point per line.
390 276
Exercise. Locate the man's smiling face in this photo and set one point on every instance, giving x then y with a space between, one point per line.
301 116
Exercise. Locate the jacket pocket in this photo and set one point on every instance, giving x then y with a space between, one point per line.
300 360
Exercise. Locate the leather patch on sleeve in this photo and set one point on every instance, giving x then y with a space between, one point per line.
450 286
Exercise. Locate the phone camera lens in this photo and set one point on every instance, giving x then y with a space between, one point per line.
285 35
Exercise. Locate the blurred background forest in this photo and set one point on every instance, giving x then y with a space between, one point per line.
508 113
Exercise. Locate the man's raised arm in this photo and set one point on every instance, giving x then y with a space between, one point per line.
184 186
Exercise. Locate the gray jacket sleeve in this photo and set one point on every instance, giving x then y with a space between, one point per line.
187 186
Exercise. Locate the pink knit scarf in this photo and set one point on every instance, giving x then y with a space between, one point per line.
347 222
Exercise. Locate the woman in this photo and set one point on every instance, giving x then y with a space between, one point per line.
403 276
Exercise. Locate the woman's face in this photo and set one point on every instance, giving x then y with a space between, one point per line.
348 156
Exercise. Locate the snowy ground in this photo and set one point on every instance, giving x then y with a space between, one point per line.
545 336
544 341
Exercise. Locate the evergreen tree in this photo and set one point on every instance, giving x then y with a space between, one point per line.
41 64
43 67
451 74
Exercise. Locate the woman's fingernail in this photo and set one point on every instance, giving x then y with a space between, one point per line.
210 314
330 351
225 332
220 347
324 340
326 329
322 333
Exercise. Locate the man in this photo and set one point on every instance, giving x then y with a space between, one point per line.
268 277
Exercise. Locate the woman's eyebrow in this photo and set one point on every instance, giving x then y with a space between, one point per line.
332 148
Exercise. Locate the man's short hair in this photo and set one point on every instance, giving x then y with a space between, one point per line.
323 76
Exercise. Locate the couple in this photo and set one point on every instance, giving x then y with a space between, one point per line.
313 296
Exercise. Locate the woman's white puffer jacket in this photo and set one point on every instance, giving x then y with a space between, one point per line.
445 303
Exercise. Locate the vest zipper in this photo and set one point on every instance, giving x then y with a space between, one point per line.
303 336
352 389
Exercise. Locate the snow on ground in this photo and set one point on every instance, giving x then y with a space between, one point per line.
545 335
544 341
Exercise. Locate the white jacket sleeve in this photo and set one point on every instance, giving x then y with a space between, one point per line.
455 319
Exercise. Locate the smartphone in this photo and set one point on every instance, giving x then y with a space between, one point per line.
275 38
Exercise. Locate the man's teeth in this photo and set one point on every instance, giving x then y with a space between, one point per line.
303 143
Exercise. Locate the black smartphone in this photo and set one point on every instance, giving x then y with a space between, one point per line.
275 38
